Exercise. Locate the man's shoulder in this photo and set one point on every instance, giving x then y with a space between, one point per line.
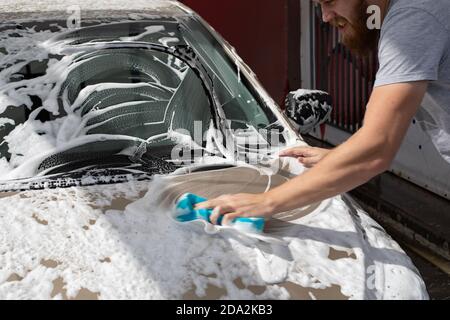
433 9
414 27
428 5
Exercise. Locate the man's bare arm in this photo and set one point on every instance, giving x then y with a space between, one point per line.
367 153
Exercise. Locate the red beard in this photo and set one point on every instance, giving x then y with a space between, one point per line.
357 36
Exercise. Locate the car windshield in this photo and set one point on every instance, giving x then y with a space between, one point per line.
96 100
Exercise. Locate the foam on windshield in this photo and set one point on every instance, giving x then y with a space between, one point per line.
78 99
60 109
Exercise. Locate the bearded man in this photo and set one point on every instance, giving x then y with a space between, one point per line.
413 80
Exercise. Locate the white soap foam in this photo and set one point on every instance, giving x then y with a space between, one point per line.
30 148
30 143
149 256
166 40
149 30
5 121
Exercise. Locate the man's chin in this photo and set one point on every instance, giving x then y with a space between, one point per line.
358 46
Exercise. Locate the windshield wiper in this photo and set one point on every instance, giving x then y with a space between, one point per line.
142 165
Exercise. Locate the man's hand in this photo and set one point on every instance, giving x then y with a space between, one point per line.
308 156
239 205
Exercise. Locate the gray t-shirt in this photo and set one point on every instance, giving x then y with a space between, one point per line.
414 46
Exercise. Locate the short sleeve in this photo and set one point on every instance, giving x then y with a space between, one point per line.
411 47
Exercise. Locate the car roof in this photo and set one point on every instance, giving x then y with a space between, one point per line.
51 9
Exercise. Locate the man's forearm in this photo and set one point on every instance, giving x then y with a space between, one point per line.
366 154
346 167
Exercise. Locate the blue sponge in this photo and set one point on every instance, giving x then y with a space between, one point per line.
185 212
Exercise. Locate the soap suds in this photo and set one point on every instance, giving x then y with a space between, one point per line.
139 252
149 30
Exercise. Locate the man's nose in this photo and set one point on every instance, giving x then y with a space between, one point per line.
327 15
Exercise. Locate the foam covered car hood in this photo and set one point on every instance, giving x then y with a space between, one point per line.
119 241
